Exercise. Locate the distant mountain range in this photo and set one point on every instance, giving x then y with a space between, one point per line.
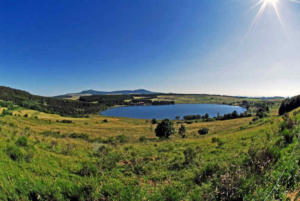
94 92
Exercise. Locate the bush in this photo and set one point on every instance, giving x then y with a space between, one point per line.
65 121
88 170
15 153
203 131
105 121
189 155
22 141
154 121
288 136
182 131
79 135
260 160
206 173
142 139
165 129
122 138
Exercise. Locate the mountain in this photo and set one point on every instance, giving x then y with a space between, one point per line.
94 92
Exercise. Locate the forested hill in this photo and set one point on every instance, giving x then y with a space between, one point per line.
289 104
48 104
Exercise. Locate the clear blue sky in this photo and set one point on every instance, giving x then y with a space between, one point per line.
52 47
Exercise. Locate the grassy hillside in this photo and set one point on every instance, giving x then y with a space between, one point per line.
47 104
50 157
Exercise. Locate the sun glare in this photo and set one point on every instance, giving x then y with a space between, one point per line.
263 4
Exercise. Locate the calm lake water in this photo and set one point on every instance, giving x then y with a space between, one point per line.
171 111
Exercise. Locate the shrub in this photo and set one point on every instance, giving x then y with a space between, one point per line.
288 136
261 160
88 169
203 131
65 121
15 153
22 141
164 129
100 149
206 173
154 121
189 155
79 135
105 121
142 139
122 138
182 131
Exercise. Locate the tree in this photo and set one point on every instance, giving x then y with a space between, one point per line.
203 131
165 129
154 121
182 131
206 116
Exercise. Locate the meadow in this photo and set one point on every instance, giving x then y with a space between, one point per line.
52 157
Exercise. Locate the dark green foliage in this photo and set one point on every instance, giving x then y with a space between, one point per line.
122 139
65 121
288 136
79 135
192 117
15 153
289 104
48 104
182 131
6 112
203 131
142 139
165 129
22 141
189 156
88 169
105 121
260 160
206 173
154 121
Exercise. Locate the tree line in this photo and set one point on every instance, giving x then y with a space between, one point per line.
289 104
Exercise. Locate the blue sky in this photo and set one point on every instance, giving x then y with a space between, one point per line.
52 47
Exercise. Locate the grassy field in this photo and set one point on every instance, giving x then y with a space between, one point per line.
49 157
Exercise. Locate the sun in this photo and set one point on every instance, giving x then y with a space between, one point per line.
263 4
271 2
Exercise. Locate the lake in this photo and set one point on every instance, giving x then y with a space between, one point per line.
171 111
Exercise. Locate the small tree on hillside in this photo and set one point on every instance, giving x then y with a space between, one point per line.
165 129
182 131
203 131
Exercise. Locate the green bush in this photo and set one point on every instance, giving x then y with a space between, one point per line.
206 173
15 153
88 169
65 121
79 135
189 155
165 129
122 138
182 131
22 141
154 121
143 139
203 131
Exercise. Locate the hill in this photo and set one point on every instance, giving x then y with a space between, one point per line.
50 157
94 92
48 104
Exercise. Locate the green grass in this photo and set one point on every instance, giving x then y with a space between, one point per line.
89 159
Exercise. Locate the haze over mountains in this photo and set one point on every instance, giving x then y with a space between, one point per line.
95 92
